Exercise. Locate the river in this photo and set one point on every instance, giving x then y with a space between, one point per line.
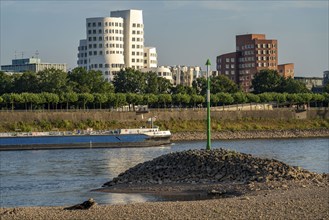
66 177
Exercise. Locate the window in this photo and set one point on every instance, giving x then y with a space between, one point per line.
94 31
89 31
100 52
100 38
232 60
99 24
95 45
100 65
89 24
105 23
95 53
94 24
133 60
100 31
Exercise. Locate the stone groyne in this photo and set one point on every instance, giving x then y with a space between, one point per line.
264 134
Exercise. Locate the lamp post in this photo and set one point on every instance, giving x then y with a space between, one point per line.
208 107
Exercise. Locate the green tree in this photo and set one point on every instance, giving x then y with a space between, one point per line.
150 99
164 86
100 98
85 98
52 81
225 98
129 81
239 98
266 81
292 86
27 82
152 85
165 99
83 81
222 83
6 83
50 98
120 100
197 99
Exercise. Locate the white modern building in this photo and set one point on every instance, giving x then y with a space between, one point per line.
150 57
184 75
161 71
113 43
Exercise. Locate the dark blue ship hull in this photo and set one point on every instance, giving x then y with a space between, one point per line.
81 141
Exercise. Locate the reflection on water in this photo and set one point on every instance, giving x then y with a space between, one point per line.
66 177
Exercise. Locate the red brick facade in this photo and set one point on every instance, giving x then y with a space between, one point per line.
253 53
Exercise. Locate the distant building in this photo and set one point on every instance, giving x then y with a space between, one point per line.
161 72
325 78
185 75
312 83
253 53
31 64
115 42
150 57
286 70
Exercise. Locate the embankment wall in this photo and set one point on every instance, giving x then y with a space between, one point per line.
183 114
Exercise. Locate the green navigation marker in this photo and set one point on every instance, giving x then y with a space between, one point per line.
208 107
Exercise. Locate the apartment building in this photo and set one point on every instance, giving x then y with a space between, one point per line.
253 53
184 75
286 70
113 43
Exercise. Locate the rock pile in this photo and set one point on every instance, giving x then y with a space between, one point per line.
211 166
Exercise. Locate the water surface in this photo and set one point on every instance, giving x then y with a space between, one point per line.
66 177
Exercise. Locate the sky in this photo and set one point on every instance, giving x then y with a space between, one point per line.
184 32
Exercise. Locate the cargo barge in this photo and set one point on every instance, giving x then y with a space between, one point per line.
120 138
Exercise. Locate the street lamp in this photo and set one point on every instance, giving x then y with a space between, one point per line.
208 107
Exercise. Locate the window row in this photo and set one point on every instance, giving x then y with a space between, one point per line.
247 65
138 39
138 25
106 31
137 32
82 48
80 62
266 58
136 60
227 72
138 46
246 59
105 38
232 60
99 24
95 53
106 65
266 51
266 64
82 54
266 45
106 45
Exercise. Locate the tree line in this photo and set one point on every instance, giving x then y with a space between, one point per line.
79 88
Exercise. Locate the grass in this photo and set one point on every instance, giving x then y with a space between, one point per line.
174 125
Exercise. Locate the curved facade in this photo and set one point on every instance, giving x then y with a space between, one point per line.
105 45
113 43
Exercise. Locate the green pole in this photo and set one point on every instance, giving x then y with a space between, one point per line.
208 107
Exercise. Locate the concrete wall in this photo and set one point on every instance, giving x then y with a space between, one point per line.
184 114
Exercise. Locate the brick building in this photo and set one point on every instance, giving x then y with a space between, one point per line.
253 53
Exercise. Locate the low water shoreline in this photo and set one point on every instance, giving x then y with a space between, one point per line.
255 134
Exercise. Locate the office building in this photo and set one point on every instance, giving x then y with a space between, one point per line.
113 43
253 53
31 64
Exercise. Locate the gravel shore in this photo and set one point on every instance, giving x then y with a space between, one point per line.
296 202
230 135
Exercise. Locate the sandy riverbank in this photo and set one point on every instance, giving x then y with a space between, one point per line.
263 134
288 201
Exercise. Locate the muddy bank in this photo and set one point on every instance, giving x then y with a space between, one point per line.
227 135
